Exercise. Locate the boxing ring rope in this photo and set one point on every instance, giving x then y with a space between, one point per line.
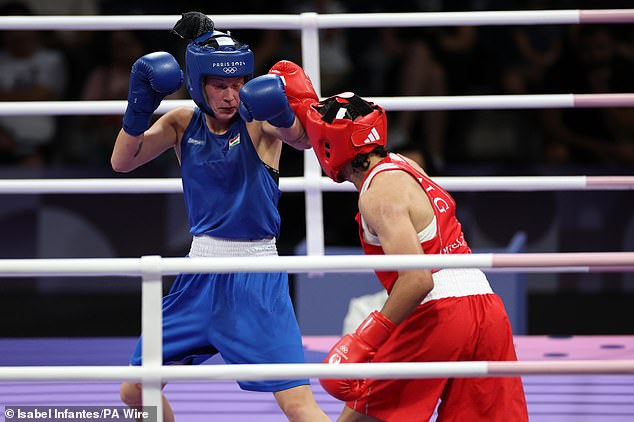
454 102
388 370
348 20
324 184
309 24
507 262
152 268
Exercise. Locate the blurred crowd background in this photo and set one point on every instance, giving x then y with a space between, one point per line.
486 60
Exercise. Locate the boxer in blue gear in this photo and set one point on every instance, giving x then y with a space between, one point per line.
230 184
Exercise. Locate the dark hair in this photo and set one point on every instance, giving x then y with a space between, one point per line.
362 161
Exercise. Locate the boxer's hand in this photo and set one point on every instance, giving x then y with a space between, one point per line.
299 89
264 98
153 77
359 347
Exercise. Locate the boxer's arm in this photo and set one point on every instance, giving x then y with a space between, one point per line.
131 152
294 136
386 207
152 78
264 99
297 85
300 94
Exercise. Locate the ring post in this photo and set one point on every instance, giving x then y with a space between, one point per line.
152 329
312 170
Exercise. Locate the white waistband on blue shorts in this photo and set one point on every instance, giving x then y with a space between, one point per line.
457 283
206 246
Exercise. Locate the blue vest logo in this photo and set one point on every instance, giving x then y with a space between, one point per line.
193 141
234 141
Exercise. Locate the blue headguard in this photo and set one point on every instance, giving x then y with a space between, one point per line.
215 53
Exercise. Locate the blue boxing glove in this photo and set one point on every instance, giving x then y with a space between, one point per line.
264 98
153 77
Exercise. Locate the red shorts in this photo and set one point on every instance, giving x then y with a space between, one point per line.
469 328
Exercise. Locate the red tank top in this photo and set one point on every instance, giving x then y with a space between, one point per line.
448 239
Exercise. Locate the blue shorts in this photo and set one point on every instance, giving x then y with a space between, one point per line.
246 317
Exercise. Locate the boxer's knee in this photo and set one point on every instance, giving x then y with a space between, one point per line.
130 394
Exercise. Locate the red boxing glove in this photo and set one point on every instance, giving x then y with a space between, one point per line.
359 347
299 89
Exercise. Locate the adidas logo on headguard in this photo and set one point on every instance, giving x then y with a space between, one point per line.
373 136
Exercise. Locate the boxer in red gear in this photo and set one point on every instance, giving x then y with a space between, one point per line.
361 346
437 315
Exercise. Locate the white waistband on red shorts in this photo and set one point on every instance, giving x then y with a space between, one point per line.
457 283
206 246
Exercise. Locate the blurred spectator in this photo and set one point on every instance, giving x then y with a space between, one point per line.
511 59
62 7
140 7
77 45
7 146
515 57
268 45
591 64
89 139
533 49
413 61
109 80
335 63
93 136
29 72
416 71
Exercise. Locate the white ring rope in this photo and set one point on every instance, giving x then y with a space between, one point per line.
456 102
472 369
301 184
543 262
348 20
153 268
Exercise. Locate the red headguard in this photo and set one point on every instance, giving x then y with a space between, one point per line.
341 127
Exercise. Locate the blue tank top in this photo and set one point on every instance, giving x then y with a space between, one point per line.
228 191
